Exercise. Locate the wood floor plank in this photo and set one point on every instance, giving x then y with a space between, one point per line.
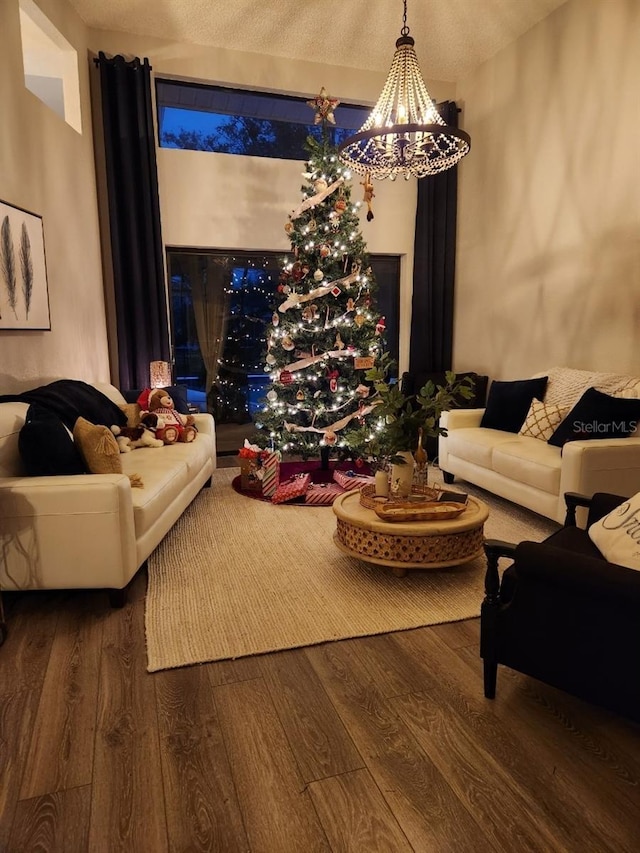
61 748
127 804
230 671
356 816
32 619
504 811
278 813
459 634
200 798
316 734
426 808
587 797
17 715
53 823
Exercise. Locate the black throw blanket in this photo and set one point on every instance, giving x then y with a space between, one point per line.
71 399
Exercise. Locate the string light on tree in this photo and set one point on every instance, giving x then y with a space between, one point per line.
325 332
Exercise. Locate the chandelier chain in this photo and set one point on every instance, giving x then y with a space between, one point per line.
405 29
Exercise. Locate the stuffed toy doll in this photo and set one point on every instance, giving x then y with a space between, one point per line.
172 425
129 438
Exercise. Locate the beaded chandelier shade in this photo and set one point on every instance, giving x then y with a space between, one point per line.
405 134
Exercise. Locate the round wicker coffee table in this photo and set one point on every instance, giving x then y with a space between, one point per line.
403 545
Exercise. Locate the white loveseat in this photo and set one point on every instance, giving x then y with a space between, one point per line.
93 530
533 473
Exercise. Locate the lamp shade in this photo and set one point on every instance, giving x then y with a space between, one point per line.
159 374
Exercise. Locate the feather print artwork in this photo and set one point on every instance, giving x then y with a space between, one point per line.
8 262
26 265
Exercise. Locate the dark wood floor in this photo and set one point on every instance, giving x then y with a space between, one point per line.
377 744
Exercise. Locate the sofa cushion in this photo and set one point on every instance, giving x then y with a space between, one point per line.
475 444
46 446
508 403
566 384
165 475
542 419
597 415
531 461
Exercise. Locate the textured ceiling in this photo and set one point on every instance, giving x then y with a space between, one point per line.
452 36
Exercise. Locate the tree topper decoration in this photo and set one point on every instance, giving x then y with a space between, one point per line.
324 107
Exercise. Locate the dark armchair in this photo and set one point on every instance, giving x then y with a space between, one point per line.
564 615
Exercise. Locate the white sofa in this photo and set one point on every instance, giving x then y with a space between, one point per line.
93 530
532 473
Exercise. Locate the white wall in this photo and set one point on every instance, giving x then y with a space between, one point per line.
548 260
227 201
48 168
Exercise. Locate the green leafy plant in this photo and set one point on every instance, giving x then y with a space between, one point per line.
400 417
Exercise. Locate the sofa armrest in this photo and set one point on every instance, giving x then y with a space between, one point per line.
601 465
205 424
461 418
55 530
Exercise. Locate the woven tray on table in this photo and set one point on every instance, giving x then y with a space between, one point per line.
369 500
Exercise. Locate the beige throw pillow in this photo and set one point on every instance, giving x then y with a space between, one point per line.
99 449
617 535
542 420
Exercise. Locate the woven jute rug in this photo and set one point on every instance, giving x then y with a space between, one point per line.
237 577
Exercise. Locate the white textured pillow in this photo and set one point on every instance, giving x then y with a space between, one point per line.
617 535
542 420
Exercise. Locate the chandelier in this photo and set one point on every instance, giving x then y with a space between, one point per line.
405 134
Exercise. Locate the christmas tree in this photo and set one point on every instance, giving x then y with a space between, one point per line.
325 332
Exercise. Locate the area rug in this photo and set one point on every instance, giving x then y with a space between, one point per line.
237 577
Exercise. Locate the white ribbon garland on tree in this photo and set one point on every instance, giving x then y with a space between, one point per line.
338 425
315 199
295 299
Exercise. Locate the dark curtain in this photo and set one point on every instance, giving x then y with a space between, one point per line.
134 218
434 266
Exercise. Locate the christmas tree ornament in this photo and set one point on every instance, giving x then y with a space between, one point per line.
351 305
288 343
380 326
332 376
359 320
330 438
275 319
286 377
289 227
323 105
340 206
270 359
320 185
325 250
369 194
362 390
318 275
300 395
339 343
312 226
272 396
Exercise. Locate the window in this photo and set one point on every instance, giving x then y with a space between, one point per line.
236 121
50 65
221 303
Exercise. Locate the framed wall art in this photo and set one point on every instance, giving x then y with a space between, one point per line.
24 293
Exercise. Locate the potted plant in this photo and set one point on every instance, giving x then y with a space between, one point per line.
405 420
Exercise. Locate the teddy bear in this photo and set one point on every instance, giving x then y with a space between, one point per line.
172 425
129 438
